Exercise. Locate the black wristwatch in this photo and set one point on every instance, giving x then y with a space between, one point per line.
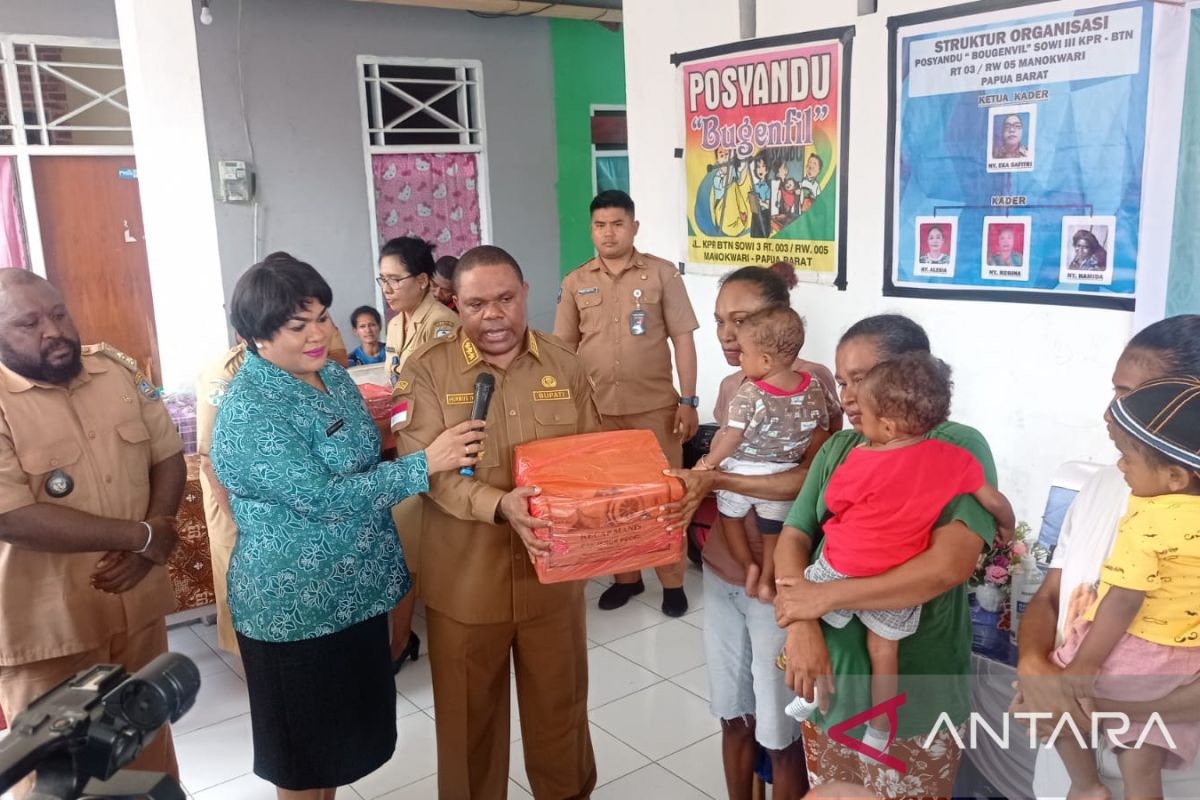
692 401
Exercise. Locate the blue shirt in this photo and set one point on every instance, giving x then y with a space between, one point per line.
357 357
317 550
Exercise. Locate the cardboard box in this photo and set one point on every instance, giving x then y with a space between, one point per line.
602 492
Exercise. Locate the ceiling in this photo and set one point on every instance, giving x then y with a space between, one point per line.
598 10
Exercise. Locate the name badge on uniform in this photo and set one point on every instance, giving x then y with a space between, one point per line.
59 484
589 290
637 317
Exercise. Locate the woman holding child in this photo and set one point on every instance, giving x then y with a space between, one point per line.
1170 347
933 662
741 638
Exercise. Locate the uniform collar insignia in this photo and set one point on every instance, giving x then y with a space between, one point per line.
470 352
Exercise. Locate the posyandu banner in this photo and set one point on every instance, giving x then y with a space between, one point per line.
765 151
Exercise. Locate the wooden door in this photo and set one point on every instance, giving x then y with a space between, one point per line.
90 217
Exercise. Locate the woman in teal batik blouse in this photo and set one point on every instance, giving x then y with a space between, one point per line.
318 563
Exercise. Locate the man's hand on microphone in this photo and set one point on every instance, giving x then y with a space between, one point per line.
514 509
456 447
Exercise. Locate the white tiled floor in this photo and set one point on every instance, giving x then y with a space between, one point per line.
647 700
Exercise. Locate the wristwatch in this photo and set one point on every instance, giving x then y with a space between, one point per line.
692 401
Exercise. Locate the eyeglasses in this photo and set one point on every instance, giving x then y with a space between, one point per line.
388 282
1013 126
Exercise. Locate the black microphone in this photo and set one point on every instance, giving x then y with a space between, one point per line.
485 382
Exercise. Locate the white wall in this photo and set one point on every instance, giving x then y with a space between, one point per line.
1034 379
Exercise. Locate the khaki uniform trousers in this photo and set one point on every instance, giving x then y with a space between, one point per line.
226 637
20 685
660 422
471 698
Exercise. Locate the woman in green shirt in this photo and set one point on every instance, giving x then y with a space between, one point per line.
935 661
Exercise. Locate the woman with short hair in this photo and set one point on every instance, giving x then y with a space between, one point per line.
317 564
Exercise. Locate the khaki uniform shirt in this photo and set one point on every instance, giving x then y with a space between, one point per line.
104 430
210 388
473 570
632 373
407 332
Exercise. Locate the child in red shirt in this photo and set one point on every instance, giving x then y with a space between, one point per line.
885 499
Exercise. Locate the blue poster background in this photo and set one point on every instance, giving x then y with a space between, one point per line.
1090 146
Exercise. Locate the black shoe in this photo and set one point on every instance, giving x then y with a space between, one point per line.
411 651
674 602
618 594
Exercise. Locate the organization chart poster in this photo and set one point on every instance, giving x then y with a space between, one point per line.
1017 146
765 125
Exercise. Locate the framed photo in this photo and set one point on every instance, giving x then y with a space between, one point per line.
937 242
1012 140
1088 245
1006 248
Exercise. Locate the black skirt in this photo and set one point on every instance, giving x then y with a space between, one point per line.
323 710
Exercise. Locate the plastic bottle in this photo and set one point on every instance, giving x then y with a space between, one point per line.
1027 580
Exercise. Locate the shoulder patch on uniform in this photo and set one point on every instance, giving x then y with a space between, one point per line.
443 328
104 348
401 413
216 392
145 387
559 300
402 386
533 345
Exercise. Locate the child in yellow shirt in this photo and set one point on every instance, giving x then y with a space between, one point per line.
1141 638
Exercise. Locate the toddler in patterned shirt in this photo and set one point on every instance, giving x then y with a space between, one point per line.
770 425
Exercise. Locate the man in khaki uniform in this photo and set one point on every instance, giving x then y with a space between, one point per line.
483 596
620 309
91 474
218 517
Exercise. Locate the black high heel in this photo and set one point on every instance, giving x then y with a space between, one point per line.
412 652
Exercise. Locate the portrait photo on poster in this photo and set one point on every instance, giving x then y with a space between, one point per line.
1012 133
1088 245
1006 248
936 242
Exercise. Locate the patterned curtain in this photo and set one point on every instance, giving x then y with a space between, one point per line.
431 195
12 241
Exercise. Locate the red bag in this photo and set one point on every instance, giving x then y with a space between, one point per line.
601 491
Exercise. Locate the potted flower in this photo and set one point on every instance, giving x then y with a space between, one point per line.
992 580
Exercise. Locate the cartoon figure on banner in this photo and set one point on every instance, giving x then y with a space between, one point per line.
760 197
810 187
722 200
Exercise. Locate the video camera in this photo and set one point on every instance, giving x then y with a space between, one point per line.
79 735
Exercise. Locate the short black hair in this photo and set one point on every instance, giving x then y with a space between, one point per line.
415 254
893 334
485 255
613 198
271 292
444 267
1174 342
820 161
913 389
369 311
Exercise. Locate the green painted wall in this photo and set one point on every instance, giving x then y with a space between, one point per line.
589 68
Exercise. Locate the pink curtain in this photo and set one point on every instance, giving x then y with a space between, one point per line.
12 244
431 195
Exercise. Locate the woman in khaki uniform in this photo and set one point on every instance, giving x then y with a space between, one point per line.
406 270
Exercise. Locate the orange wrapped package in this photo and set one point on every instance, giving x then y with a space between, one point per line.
601 491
